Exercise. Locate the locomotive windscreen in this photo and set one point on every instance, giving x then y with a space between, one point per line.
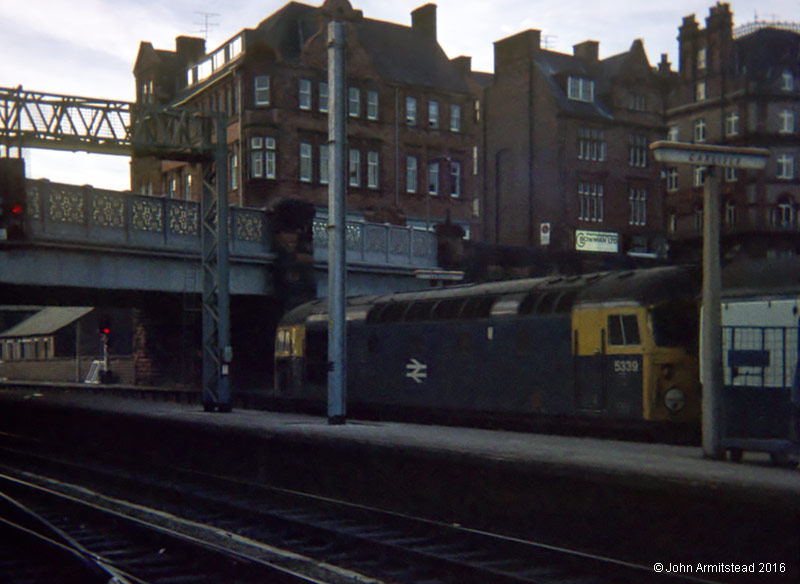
676 324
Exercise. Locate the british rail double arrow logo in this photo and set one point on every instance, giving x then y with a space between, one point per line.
416 370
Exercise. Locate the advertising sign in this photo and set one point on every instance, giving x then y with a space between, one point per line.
598 241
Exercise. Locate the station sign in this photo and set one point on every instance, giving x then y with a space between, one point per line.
709 155
596 241
446 275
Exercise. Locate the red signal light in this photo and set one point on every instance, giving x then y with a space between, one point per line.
16 209
106 330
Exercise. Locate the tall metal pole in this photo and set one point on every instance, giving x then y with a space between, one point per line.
711 357
337 136
223 268
217 353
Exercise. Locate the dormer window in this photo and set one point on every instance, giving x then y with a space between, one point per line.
580 89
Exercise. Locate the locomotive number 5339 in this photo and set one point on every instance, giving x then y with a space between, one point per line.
626 366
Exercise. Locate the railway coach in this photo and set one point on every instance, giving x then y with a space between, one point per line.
616 347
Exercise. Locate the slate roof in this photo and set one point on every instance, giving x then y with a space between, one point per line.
556 67
482 78
401 54
766 53
47 321
288 29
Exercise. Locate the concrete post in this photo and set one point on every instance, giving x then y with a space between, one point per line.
711 357
337 136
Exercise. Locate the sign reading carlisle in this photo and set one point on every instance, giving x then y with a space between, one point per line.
709 155
602 241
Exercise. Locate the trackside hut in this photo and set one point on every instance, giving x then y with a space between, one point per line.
48 334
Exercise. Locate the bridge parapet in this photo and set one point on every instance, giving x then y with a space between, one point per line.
380 244
86 215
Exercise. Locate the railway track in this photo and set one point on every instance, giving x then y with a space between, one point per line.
50 536
251 527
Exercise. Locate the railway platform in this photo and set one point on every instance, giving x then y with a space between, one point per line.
664 503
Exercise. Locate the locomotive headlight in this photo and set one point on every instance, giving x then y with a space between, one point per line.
675 399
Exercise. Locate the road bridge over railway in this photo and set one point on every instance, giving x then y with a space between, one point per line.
88 239
98 241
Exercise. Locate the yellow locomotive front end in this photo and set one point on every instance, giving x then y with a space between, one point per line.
635 348
626 367
673 393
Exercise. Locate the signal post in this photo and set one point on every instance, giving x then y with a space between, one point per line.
713 157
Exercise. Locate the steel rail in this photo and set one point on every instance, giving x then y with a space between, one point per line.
130 549
381 544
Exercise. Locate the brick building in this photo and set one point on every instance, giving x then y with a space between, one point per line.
738 87
411 129
567 166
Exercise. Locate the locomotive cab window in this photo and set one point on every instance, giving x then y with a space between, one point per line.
283 344
623 329
676 324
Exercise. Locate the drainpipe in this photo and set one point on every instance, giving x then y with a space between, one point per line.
242 146
397 148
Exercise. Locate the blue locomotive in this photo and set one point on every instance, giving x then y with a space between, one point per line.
614 347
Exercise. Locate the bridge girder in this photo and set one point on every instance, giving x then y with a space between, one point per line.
32 119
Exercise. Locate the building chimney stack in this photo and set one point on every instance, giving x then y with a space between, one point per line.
463 64
189 49
520 46
423 19
587 51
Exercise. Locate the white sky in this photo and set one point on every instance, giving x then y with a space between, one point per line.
88 47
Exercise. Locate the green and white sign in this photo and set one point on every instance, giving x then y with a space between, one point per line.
599 241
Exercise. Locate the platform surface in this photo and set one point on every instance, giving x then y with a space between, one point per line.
629 463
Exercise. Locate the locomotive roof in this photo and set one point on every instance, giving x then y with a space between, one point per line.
525 296
300 314
649 286
644 286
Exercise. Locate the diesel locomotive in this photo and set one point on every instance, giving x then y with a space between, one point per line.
614 346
